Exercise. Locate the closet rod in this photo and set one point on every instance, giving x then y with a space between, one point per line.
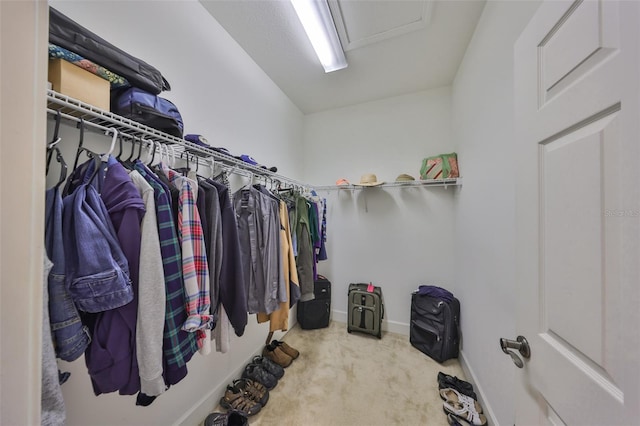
73 109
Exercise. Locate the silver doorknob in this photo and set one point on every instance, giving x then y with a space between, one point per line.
521 345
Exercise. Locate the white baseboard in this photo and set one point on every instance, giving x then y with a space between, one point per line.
392 326
472 378
201 409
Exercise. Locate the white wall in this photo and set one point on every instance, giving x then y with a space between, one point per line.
222 94
485 208
398 238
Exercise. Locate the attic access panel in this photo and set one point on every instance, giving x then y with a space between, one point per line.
360 23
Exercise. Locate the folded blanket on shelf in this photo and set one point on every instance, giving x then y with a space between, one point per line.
116 80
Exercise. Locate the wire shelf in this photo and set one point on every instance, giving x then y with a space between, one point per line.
404 184
78 111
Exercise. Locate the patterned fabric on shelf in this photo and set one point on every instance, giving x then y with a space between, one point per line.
57 52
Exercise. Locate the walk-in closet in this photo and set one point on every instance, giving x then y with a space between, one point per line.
537 234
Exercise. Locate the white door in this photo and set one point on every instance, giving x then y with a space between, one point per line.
578 213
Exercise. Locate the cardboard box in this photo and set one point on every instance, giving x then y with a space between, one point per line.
78 83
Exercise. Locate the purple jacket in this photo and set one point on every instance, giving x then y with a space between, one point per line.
111 357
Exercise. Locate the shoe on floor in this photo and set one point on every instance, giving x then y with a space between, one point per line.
260 375
235 399
277 355
216 419
230 418
254 390
236 418
269 365
446 381
292 352
452 395
455 421
464 412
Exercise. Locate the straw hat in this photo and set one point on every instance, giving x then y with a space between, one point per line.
369 180
404 178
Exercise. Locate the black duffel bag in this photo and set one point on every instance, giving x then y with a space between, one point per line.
148 109
67 33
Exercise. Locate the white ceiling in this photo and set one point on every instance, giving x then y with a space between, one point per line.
393 47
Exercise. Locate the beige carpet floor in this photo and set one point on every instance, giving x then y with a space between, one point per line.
355 379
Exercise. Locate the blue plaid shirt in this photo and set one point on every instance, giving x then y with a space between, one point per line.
179 346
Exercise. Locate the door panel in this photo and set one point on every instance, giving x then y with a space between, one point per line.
576 98
570 42
572 199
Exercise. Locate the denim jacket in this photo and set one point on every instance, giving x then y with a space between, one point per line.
71 338
97 272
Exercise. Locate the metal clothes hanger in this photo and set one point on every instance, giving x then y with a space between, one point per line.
153 146
188 168
142 142
63 168
55 139
104 157
80 145
51 148
114 131
133 150
120 147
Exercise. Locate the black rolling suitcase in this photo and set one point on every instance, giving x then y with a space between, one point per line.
316 313
365 310
434 328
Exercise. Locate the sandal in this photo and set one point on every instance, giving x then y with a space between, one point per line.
452 395
235 399
454 421
253 390
464 412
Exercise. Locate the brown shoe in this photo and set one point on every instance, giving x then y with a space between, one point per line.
292 352
236 399
277 355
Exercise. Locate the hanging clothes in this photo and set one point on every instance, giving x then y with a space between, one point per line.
194 262
259 230
233 295
213 241
151 295
112 356
304 260
71 337
92 253
52 409
314 232
178 345
322 252
279 319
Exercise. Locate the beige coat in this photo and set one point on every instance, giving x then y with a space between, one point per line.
279 319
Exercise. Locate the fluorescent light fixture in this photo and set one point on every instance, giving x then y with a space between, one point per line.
318 24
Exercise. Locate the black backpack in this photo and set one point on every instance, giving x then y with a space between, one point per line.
435 325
